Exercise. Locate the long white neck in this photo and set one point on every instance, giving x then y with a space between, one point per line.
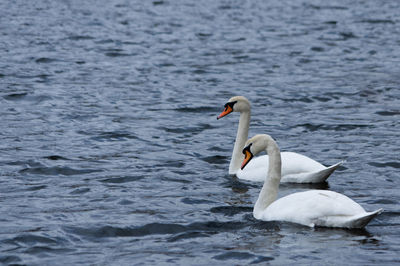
269 191
241 137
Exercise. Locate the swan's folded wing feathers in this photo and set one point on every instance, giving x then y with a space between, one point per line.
295 163
256 169
296 168
312 207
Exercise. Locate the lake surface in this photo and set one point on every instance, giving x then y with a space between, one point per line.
111 154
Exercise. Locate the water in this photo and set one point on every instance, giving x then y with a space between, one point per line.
110 148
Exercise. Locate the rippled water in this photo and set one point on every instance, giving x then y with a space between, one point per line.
110 148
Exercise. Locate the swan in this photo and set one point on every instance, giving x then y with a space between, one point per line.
296 168
310 208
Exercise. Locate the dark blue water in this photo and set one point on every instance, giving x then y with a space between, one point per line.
110 151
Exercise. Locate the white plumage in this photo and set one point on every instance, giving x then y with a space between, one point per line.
296 168
310 208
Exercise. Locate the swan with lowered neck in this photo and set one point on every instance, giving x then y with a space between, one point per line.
310 208
296 168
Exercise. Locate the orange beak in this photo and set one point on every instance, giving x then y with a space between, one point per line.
228 109
247 158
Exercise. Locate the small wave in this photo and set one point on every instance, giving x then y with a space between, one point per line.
157 3
238 186
317 49
15 96
116 54
30 239
112 231
45 60
113 136
187 235
234 255
80 37
171 163
24 96
56 170
105 41
44 249
36 188
382 201
217 226
387 218
30 163
125 202
123 179
332 22
324 185
322 99
388 113
347 35
178 180
204 35
192 201
40 76
394 214
216 159
326 7
340 127
156 229
55 157
383 165
186 172
179 130
378 21
199 109
9 260
218 148
231 210
80 191
299 99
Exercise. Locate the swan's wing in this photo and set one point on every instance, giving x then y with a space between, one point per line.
256 169
314 207
296 168
311 177
295 163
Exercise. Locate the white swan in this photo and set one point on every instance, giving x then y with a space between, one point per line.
310 208
296 168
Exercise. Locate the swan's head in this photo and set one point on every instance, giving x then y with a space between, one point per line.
254 146
235 104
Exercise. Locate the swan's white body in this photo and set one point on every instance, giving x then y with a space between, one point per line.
318 208
296 168
310 208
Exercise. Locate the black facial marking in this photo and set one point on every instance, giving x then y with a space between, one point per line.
249 159
230 104
247 148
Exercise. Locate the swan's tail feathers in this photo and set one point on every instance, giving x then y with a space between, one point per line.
362 220
322 176
312 177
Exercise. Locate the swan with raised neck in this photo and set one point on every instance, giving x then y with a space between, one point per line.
242 105
296 168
